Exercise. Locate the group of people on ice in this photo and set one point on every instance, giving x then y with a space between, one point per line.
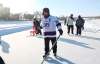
69 22
79 22
50 24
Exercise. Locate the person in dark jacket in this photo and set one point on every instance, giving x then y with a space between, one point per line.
79 25
37 26
1 61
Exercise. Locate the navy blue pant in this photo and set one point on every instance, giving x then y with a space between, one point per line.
47 42
79 30
70 29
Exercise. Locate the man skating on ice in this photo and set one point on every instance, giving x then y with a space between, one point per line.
49 24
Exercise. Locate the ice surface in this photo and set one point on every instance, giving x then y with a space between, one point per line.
21 48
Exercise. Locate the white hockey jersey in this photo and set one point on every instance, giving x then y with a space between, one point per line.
50 25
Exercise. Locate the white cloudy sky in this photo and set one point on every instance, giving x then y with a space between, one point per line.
57 7
18 6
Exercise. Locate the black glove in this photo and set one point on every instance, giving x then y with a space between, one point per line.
41 27
60 31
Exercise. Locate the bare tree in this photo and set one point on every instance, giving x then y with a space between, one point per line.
38 15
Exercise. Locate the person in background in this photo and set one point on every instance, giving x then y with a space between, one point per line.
37 26
79 25
49 24
70 24
1 61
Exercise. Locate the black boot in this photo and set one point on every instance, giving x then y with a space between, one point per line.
55 54
46 55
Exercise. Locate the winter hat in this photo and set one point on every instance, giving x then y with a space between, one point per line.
46 10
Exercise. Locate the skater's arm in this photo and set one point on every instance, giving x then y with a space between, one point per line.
41 25
67 22
58 24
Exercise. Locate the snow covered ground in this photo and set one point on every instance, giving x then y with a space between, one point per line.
21 48
92 25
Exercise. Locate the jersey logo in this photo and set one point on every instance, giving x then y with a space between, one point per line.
46 25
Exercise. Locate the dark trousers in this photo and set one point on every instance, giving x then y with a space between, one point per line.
1 61
79 30
70 28
53 40
39 31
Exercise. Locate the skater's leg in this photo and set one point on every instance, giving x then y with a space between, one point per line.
72 29
68 29
40 32
47 40
76 30
53 40
37 32
80 30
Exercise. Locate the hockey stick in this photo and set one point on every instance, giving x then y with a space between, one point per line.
50 49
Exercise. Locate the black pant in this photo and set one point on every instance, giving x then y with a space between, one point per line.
70 28
1 61
39 31
79 30
53 40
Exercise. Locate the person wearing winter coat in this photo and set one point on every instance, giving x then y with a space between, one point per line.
70 24
37 26
79 25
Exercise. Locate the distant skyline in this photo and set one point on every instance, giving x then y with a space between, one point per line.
57 7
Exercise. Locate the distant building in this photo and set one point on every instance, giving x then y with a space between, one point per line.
14 16
4 12
0 5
